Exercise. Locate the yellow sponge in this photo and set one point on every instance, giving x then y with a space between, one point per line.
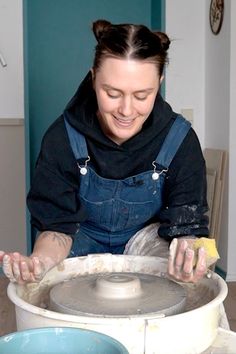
209 245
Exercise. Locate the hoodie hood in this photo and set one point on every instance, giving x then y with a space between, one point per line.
81 114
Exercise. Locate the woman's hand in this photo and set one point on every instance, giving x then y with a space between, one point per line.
183 264
22 269
49 250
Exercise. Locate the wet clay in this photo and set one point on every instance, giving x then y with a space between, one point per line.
197 295
118 294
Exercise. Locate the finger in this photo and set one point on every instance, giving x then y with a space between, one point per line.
187 269
186 276
16 265
38 269
23 265
188 261
7 268
201 266
16 270
172 254
27 270
173 248
180 256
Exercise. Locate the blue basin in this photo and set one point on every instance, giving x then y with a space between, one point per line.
59 340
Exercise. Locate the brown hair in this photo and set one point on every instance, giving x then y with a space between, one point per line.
129 41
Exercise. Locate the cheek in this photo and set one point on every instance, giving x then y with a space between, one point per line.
105 104
145 108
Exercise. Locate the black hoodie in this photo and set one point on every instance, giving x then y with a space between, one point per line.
52 199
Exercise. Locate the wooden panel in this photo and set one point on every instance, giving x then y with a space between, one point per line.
211 181
216 161
11 121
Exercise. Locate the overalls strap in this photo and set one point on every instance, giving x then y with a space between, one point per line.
173 140
169 148
77 141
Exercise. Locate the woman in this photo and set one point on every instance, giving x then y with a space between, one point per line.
116 161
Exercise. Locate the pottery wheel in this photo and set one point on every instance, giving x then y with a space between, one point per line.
117 294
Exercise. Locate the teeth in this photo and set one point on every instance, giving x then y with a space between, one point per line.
124 120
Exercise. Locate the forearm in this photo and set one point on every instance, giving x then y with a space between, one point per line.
51 248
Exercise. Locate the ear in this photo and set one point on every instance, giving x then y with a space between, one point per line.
161 79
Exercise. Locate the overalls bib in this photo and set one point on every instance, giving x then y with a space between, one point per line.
117 209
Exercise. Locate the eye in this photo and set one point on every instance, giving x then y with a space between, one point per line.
113 94
141 97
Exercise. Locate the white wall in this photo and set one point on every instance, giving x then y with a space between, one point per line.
185 74
217 122
12 130
201 76
231 262
217 53
11 48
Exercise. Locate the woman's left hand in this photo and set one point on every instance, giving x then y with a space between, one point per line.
183 264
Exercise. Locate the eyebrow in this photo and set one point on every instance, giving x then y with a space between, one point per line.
105 86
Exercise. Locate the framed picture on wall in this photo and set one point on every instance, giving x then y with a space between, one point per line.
216 15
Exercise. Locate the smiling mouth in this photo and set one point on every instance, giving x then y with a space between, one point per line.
124 122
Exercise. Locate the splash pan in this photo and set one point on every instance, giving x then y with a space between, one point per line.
191 331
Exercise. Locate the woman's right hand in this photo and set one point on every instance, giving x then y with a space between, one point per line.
49 250
21 269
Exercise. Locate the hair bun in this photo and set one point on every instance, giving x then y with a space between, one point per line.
99 27
164 39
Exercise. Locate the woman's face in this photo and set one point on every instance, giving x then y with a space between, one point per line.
126 90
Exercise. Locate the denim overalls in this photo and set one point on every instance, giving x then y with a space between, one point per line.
117 209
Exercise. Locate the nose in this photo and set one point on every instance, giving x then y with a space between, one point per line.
126 107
